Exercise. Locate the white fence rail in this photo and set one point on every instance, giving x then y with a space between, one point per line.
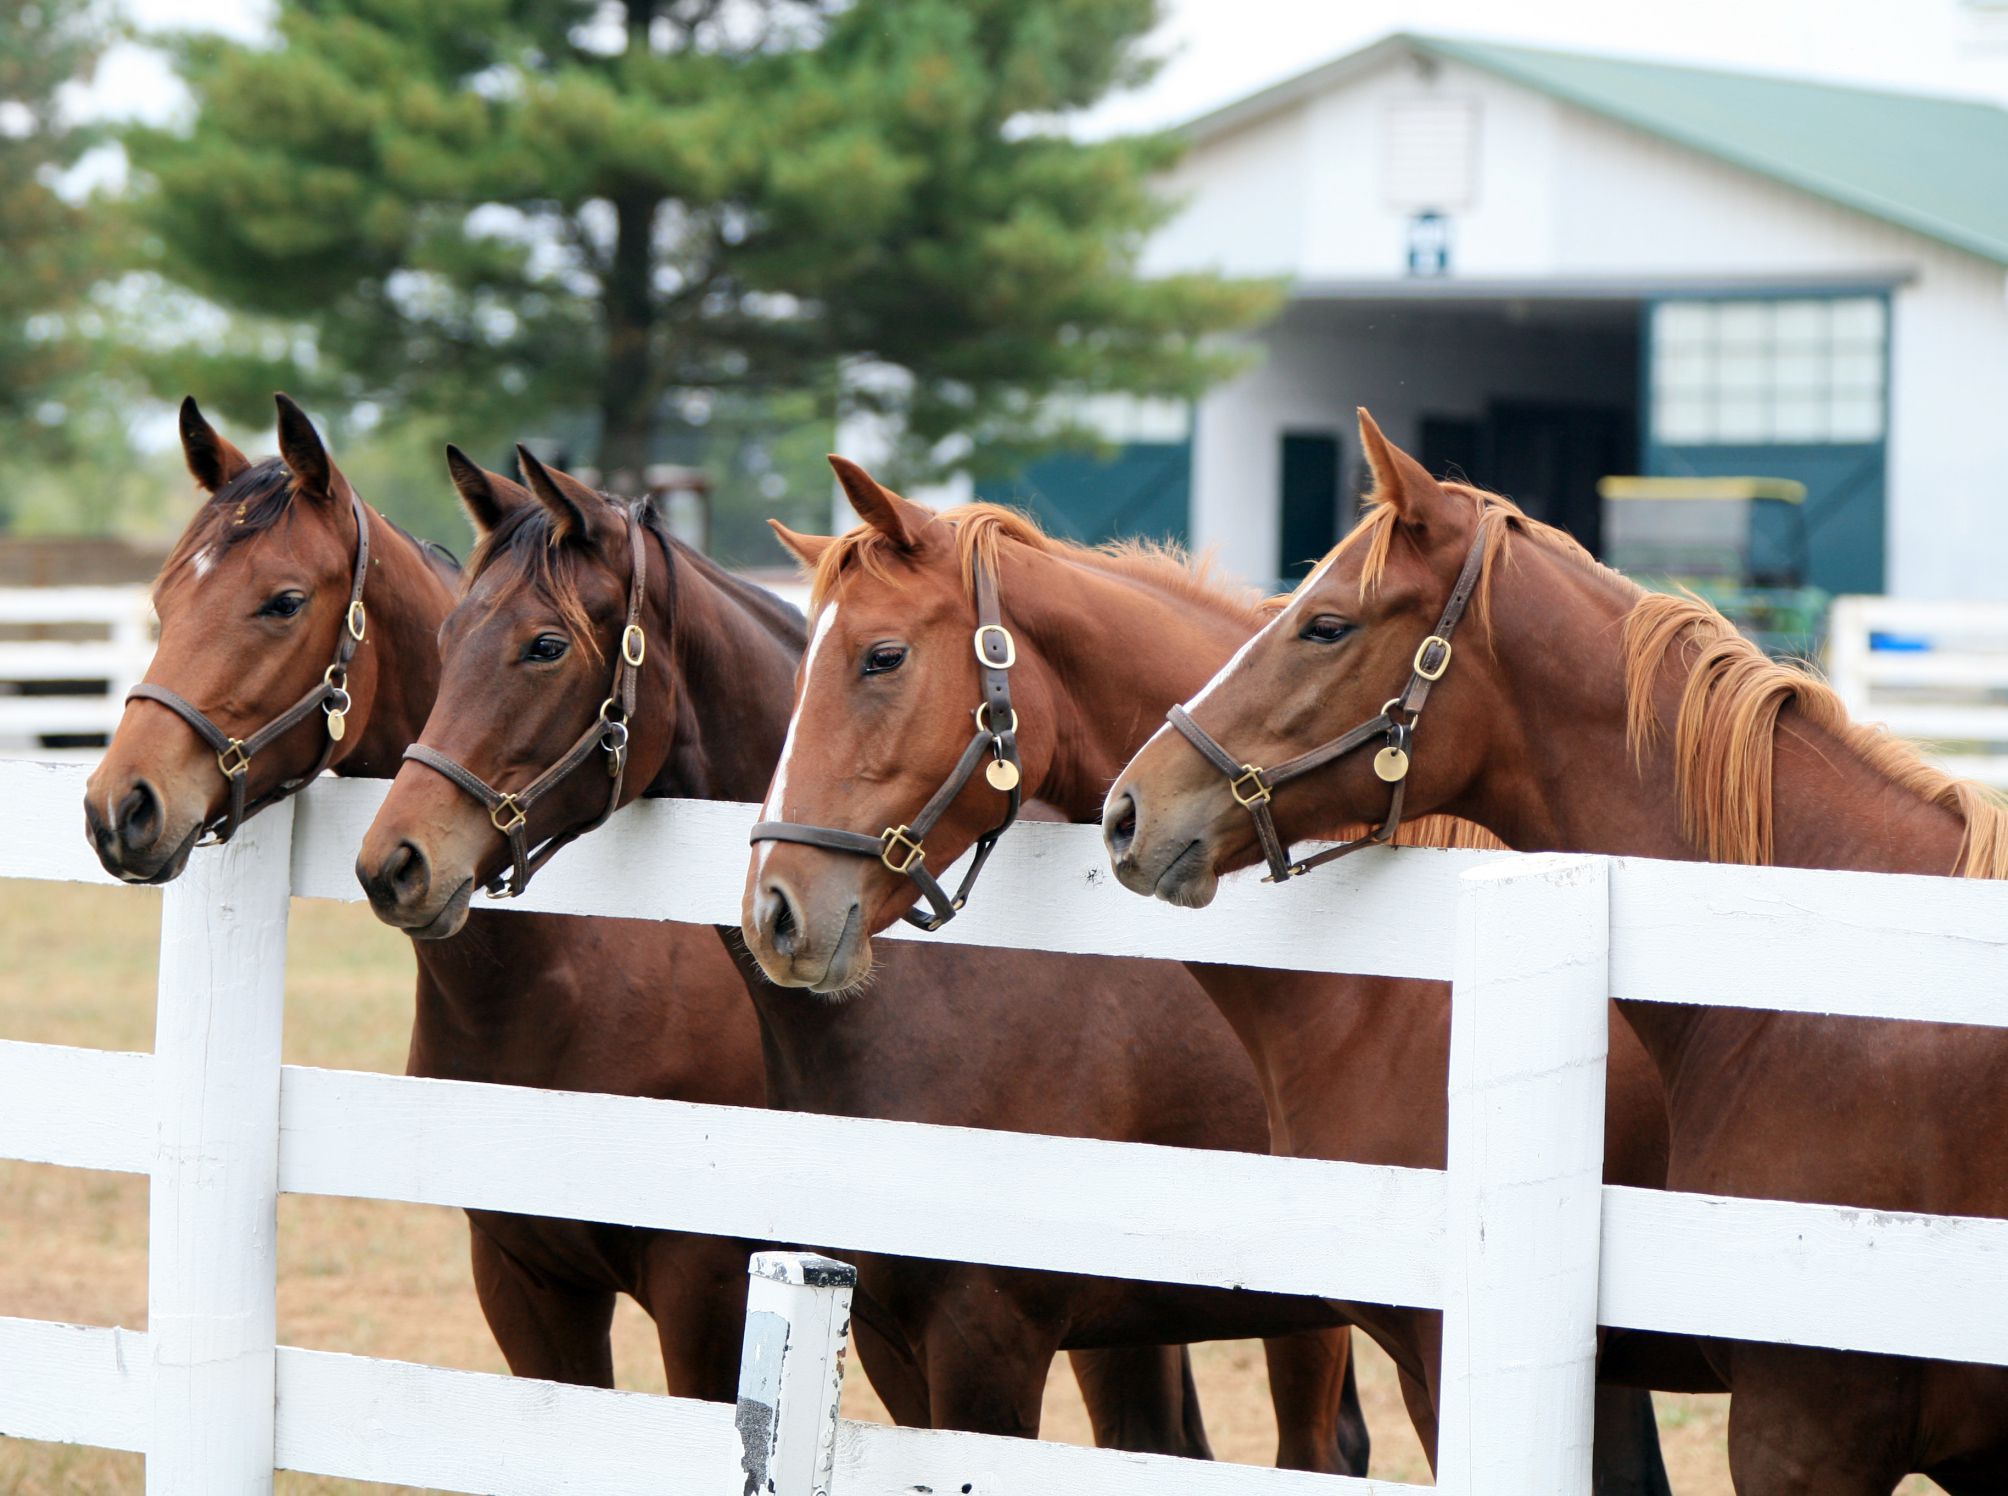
102 669
1935 672
1517 1241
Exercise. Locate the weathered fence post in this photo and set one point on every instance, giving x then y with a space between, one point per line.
1528 1036
791 1372
212 1263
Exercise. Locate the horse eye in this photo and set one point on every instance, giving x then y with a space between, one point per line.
284 605
546 647
884 657
1326 629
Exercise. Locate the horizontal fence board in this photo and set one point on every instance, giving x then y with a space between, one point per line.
74 1384
874 1460
45 831
1865 944
1047 888
1944 722
403 1424
70 660
1928 616
27 716
1230 1220
82 1108
1902 668
1771 1270
74 605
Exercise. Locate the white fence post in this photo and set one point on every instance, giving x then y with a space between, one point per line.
1528 1036
213 1262
791 1372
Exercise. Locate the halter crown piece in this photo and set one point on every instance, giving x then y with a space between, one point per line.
510 810
901 848
1395 725
234 755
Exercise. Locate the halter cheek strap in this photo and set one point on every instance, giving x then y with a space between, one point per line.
901 848
608 734
234 755
1253 787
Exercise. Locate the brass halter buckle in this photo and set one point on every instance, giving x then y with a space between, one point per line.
634 645
357 620
1442 662
507 815
1010 647
234 761
900 851
1258 796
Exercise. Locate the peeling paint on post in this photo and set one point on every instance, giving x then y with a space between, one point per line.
791 1371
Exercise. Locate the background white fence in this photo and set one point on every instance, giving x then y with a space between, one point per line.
103 668
1516 1240
1934 672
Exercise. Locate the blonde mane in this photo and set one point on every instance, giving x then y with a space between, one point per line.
981 530
1732 695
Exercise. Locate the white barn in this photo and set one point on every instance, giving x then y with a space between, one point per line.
1542 268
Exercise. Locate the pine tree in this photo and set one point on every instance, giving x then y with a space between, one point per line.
501 209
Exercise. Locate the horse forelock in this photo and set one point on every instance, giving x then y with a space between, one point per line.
249 504
524 554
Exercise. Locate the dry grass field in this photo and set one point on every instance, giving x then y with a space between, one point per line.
392 1280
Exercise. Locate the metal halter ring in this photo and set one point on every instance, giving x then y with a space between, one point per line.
1260 794
634 645
897 840
607 710
338 701
507 815
234 761
357 621
614 736
1010 647
982 715
1442 664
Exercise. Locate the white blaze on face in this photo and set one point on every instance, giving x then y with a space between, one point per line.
204 560
777 793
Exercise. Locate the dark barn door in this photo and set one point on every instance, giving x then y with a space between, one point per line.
1310 502
1548 458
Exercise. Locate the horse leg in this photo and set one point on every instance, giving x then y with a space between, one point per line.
1143 1398
561 1334
1624 1449
1817 1423
986 1358
694 1288
1319 1425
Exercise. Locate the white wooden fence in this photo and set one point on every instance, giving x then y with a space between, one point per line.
1934 672
104 668
1516 1240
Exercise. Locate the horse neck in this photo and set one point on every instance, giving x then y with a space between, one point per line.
407 600
1112 652
733 663
1563 776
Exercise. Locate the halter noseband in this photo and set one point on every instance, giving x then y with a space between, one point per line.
1252 787
234 755
510 810
900 847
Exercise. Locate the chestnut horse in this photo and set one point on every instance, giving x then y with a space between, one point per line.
1104 641
252 603
1080 1048
1577 712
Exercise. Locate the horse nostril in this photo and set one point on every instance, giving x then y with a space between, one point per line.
783 931
407 873
138 820
1119 824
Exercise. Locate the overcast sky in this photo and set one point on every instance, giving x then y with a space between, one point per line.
1219 50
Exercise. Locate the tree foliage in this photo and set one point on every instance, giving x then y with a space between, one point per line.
496 209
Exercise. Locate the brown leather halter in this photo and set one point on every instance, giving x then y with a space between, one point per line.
510 810
234 755
1252 787
900 847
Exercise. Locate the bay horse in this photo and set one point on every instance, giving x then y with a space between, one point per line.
252 603
1102 642
1578 712
566 585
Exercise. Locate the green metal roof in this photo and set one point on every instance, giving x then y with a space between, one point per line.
1935 166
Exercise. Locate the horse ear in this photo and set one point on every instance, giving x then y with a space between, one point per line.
1398 478
306 457
807 549
899 520
212 461
571 503
486 496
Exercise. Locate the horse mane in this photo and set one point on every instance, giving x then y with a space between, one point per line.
1731 701
982 529
1726 727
